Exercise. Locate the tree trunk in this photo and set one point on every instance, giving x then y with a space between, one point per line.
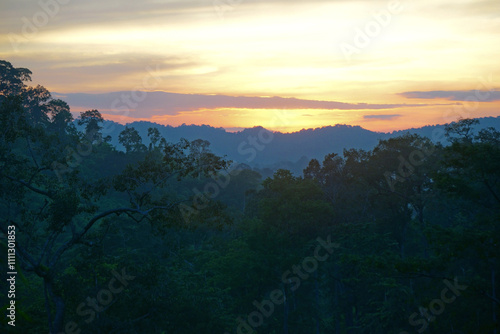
316 288
55 318
420 214
285 312
403 240
493 293
337 292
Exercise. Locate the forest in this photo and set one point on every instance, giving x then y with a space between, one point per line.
168 237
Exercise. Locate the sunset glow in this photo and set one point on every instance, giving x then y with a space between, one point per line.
350 52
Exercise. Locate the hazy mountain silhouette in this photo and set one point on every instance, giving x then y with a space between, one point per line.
263 149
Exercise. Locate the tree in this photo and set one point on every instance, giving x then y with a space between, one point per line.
12 79
472 163
154 137
55 216
331 175
131 139
471 174
399 172
60 115
36 104
92 120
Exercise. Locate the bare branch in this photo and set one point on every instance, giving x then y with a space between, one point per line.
29 186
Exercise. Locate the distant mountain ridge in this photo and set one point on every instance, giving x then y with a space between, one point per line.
262 148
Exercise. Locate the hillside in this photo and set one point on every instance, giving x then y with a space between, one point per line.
260 148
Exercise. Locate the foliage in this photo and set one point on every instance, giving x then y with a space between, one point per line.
405 218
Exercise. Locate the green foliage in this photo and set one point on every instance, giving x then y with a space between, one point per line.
407 217
131 140
63 209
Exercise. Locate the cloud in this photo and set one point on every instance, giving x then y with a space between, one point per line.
97 72
148 104
457 95
124 13
94 13
383 117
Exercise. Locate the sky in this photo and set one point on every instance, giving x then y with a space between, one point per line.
282 64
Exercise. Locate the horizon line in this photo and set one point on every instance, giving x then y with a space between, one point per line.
292 132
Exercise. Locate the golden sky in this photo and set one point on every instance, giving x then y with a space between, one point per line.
223 59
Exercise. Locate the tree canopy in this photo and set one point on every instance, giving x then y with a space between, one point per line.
402 238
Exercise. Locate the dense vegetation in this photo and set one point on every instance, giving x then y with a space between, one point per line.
170 238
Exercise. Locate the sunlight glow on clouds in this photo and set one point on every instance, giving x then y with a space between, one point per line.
264 48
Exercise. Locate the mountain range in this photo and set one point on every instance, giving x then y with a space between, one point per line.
267 151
